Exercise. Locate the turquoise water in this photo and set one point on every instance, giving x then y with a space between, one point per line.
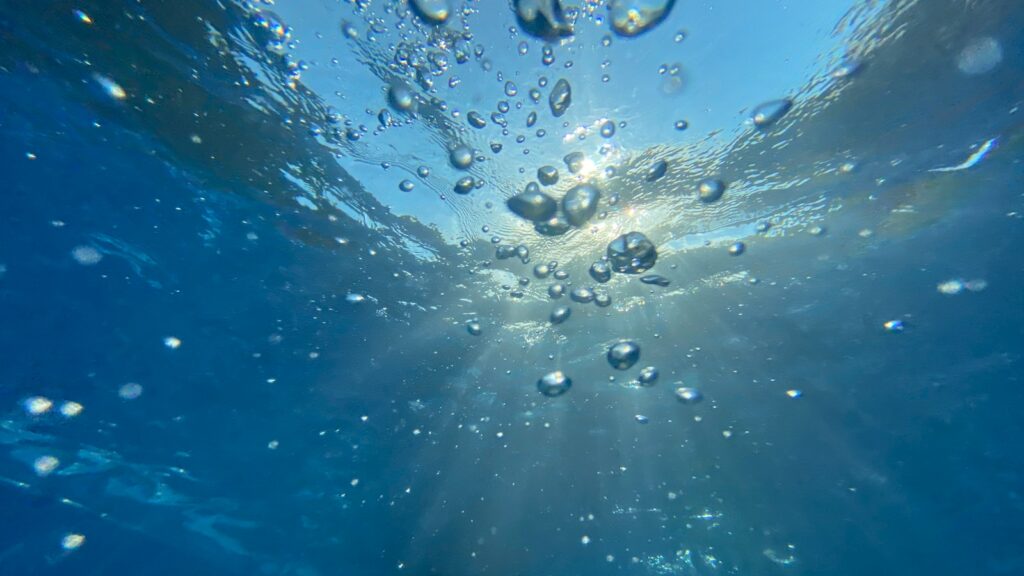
485 287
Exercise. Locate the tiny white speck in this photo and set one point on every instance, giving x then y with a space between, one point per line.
172 342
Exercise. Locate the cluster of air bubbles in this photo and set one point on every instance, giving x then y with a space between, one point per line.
632 253
672 82
648 376
958 285
41 405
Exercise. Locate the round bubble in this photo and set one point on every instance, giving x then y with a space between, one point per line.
648 376
632 253
554 384
688 395
622 355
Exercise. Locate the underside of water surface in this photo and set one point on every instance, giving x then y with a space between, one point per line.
527 287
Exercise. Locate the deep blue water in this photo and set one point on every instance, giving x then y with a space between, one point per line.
231 344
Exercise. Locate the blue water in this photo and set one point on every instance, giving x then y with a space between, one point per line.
232 344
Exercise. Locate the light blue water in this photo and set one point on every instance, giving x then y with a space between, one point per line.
248 327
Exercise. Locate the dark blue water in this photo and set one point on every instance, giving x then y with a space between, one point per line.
232 344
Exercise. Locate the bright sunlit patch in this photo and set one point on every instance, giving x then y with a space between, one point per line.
110 87
587 168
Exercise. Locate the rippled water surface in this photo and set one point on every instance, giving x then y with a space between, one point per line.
528 287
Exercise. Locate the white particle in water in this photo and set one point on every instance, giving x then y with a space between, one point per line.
37 405
951 287
585 540
86 255
172 342
794 393
70 409
72 541
44 465
980 56
894 326
130 391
